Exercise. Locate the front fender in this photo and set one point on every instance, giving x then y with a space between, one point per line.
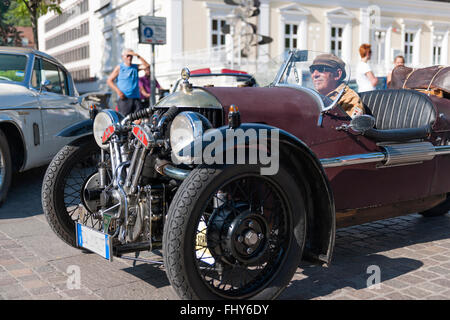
81 128
291 152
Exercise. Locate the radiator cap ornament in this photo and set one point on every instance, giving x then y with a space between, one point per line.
185 86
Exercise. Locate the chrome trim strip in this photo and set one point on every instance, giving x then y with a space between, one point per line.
442 150
400 157
19 108
352 160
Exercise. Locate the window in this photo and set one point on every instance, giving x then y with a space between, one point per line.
290 36
76 54
57 78
336 40
409 41
437 49
12 67
217 37
80 75
70 13
69 35
36 75
378 39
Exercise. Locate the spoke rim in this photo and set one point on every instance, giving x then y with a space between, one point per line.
241 278
73 183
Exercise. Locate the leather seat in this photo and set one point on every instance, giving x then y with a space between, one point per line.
400 114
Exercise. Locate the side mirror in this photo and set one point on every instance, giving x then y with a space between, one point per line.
362 123
44 85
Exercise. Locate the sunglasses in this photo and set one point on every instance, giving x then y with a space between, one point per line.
321 69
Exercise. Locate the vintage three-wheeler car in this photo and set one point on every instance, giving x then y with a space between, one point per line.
237 185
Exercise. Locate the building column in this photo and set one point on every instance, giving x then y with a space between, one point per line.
175 26
264 29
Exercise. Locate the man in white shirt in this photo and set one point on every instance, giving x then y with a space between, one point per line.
365 78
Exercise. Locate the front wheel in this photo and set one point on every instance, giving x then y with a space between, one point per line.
232 233
62 187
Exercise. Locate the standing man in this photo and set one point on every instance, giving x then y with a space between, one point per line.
127 86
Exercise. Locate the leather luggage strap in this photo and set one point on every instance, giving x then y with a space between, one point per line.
407 77
431 81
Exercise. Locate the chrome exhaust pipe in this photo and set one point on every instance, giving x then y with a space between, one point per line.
175 173
392 155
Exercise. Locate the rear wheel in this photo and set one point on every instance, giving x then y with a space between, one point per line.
5 167
232 233
439 210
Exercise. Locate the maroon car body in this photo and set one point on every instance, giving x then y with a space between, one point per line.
362 192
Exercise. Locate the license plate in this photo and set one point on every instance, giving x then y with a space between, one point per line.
94 240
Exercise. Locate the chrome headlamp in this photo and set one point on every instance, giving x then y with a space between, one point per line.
185 128
101 122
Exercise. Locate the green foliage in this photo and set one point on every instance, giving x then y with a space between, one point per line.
28 8
17 15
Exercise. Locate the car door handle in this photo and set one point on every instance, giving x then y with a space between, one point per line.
73 102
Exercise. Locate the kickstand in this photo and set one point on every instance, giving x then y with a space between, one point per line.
136 255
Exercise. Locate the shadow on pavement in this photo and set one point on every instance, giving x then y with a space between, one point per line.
382 244
150 273
24 196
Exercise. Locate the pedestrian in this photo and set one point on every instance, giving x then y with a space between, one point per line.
145 88
127 84
398 61
365 78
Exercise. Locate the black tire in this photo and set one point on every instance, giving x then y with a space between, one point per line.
439 210
61 188
6 167
284 240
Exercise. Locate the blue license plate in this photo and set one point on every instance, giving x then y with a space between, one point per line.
94 240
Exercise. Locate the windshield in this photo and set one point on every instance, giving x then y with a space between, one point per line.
324 73
12 67
219 80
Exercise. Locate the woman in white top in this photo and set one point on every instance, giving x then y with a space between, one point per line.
365 78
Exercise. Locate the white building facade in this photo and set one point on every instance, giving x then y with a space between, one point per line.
417 29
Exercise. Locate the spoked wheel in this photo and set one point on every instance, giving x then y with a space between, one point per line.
232 233
64 180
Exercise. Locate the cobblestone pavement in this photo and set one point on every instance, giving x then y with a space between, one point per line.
411 253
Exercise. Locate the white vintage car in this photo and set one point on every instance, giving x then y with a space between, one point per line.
38 100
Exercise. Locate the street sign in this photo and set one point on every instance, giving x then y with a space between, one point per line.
152 30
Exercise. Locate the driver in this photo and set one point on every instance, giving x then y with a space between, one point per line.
328 74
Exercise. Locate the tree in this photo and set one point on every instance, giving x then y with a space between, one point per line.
14 16
9 35
34 9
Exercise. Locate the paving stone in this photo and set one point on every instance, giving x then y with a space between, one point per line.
413 254
416 292
398 296
442 282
